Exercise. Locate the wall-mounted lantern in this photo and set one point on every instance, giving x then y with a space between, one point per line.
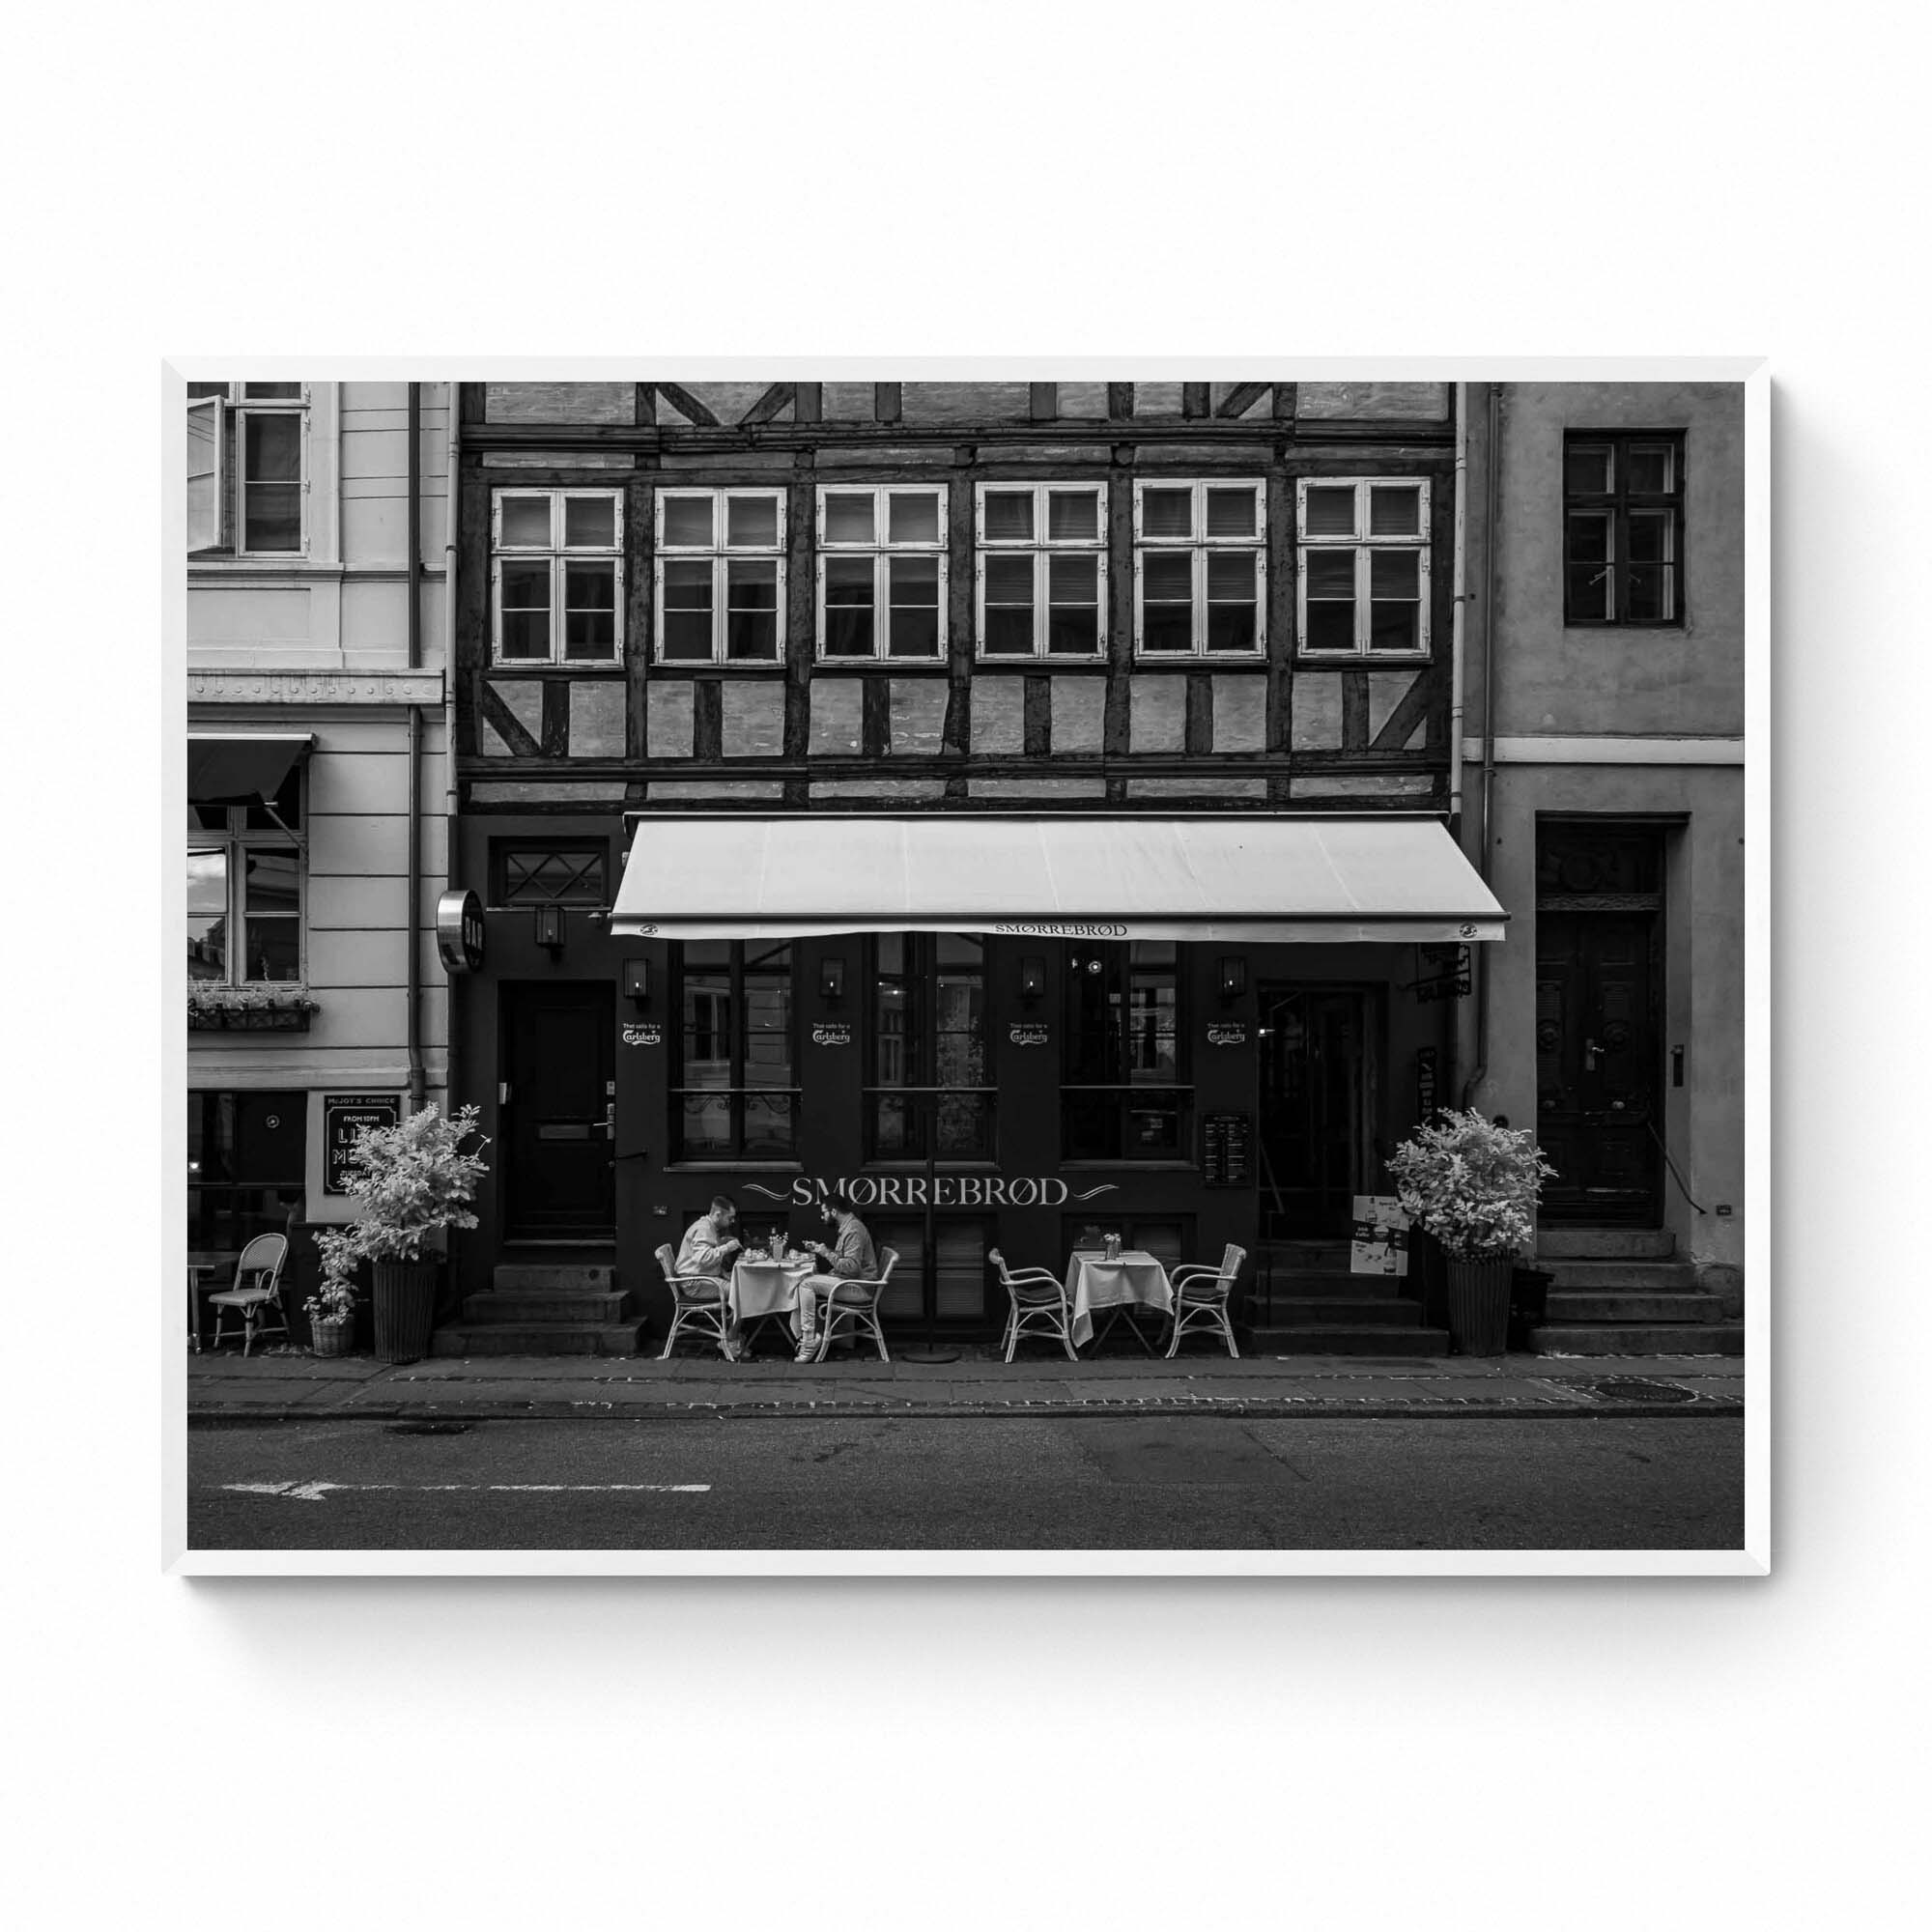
637 980
550 928
1233 978
1033 980
832 981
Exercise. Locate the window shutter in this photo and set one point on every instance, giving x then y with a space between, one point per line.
204 473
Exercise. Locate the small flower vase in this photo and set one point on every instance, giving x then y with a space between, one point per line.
1113 1247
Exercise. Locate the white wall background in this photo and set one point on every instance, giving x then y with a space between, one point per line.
1498 178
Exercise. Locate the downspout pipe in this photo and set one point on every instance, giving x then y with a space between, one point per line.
1485 793
418 1086
453 442
1459 604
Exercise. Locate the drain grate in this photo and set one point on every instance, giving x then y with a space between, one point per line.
1636 1388
430 1428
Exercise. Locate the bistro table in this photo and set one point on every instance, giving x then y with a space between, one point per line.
761 1289
200 1262
1133 1279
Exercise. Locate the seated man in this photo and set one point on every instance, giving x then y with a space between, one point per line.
852 1259
710 1247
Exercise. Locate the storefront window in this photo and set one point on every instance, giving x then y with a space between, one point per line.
1124 1097
930 1098
246 1155
734 1098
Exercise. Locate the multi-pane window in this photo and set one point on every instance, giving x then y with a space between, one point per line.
259 432
244 875
930 1096
1200 569
882 574
1364 567
720 575
733 1096
1623 529
549 874
1042 568
558 576
1124 1097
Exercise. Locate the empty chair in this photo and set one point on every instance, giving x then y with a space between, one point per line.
697 1302
1201 1294
1037 1305
856 1302
257 1294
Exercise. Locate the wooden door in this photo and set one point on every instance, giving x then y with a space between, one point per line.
1317 1107
559 1066
1597 1064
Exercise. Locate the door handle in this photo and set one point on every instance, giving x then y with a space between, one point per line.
1590 1051
611 1120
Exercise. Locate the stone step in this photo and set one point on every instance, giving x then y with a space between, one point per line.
536 1304
574 1277
1573 1304
1302 1311
1623 1338
1325 1282
1622 1277
1557 1242
539 1337
1350 1339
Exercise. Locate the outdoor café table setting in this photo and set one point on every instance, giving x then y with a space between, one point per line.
1123 1279
200 1263
764 1285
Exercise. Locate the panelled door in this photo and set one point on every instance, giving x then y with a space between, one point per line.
560 1069
1319 1080
1598 1052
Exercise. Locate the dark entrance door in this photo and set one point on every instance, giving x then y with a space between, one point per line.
1597 1026
559 1067
1319 1081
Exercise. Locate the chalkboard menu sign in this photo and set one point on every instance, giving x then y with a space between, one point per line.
341 1115
1226 1151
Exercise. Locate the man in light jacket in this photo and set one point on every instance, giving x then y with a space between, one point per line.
852 1258
710 1247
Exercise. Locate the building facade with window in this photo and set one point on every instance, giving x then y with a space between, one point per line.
1028 803
1605 777
316 787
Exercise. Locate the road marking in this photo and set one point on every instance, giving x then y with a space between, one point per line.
317 1492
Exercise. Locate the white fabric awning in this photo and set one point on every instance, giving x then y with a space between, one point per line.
1314 879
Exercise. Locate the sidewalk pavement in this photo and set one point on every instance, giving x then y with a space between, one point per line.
287 1384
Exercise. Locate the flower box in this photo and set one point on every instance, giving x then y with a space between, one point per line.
235 1010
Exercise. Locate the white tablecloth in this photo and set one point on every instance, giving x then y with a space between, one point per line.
1094 1282
765 1287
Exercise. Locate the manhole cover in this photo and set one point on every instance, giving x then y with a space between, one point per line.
1634 1388
429 1428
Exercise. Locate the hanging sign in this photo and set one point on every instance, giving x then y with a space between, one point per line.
1380 1236
643 1033
342 1116
831 1032
459 931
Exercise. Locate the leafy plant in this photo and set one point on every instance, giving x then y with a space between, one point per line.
335 1298
217 996
1473 1184
411 1181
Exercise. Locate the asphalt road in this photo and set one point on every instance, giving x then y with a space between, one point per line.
1071 1483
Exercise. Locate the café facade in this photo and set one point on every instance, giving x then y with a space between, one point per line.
1026 805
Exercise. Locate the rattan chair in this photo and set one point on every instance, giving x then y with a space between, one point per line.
257 1294
856 1302
1038 1304
697 1302
1201 1294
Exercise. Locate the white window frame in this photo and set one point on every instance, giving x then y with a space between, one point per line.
1043 547
560 556
244 409
881 549
215 471
722 555
1200 546
234 842
1364 546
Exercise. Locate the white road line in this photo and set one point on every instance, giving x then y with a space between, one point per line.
317 1492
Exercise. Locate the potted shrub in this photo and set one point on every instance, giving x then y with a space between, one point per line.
1472 1185
331 1308
411 1181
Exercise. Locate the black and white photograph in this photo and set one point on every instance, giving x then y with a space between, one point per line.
970 964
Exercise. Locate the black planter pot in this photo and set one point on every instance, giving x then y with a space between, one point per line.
404 1302
1479 1306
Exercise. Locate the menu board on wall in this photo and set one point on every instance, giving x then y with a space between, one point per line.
1226 1150
341 1114
1380 1236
